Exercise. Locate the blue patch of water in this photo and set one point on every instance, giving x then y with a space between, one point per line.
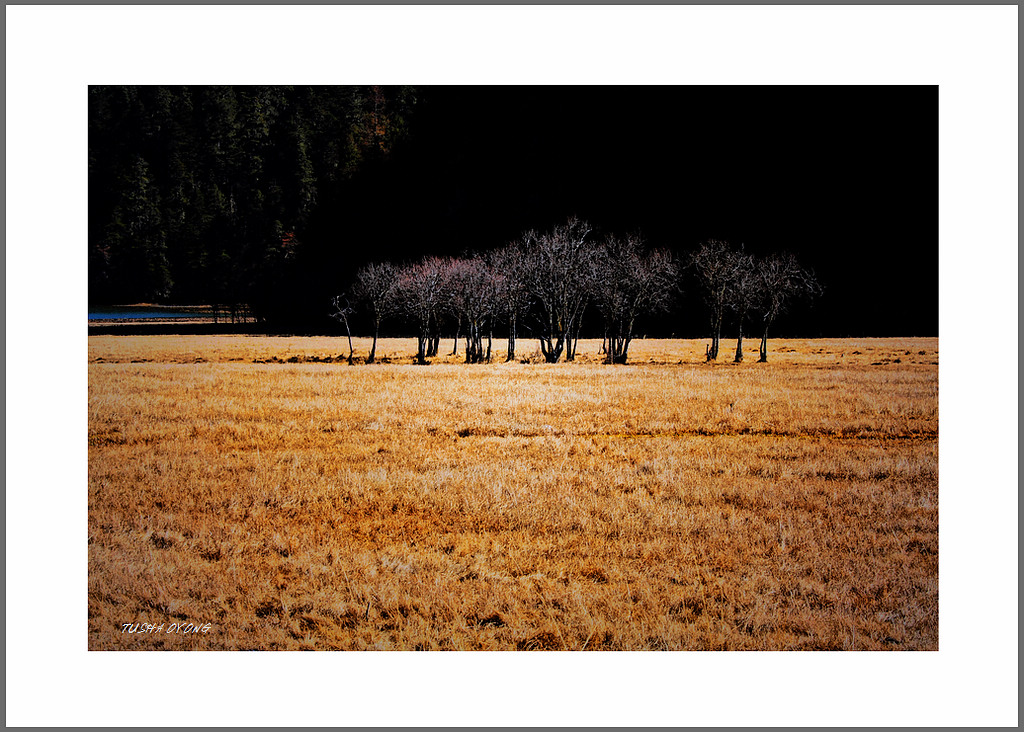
142 313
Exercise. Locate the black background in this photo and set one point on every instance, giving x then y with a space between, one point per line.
844 177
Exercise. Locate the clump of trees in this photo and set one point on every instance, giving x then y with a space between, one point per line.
546 283
733 281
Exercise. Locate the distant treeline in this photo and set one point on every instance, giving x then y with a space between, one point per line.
544 284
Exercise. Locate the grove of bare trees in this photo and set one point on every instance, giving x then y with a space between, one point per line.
746 286
545 284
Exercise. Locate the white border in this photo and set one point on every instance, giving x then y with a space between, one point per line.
54 52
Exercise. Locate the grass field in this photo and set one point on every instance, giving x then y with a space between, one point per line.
265 491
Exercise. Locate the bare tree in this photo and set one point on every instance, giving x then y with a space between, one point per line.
494 292
513 299
342 311
629 283
444 308
419 290
473 299
376 285
782 279
559 268
744 296
716 264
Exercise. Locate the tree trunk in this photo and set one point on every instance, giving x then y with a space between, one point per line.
624 350
455 341
348 332
739 345
620 349
421 347
474 343
511 356
711 352
763 356
573 337
610 339
552 352
627 339
715 336
373 346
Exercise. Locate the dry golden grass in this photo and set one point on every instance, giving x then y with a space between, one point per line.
667 504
